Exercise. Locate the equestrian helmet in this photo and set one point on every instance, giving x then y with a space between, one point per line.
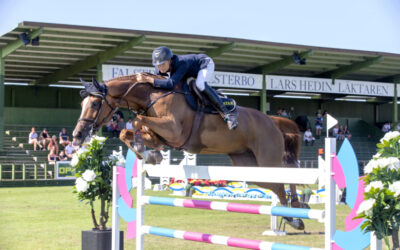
161 55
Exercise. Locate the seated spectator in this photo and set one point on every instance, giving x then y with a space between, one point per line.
63 137
33 139
69 150
62 156
279 112
52 156
318 125
335 131
121 124
129 124
308 137
346 133
114 129
386 127
75 144
45 137
53 144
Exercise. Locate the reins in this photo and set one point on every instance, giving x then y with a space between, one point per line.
93 122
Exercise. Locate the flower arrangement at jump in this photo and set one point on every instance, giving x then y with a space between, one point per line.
94 175
381 205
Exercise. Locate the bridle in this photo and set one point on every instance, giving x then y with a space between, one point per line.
93 122
102 95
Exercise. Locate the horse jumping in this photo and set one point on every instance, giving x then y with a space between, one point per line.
164 118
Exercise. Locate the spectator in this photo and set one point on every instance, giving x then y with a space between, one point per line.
121 124
69 150
284 113
129 124
33 139
291 114
398 127
279 112
335 131
63 137
45 137
386 127
53 144
340 135
52 156
108 125
75 144
346 133
118 114
308 137
318 125
62 156
114 129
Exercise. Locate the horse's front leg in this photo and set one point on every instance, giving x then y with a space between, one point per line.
165 126
152 157
147 137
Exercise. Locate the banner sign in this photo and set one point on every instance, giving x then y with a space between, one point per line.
320 85
278 83
64 170
219 79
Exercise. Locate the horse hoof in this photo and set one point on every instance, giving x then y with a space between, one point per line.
138 147
295 223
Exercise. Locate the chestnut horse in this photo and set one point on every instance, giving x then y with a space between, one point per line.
164 118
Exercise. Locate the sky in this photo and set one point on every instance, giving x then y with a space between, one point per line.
372 25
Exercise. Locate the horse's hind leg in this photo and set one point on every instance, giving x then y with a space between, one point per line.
248 159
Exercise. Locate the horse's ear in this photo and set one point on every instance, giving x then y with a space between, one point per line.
85 84
100 86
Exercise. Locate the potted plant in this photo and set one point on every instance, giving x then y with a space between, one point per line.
94 175
381 205
305 197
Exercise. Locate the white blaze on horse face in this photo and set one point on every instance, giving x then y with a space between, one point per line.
84 104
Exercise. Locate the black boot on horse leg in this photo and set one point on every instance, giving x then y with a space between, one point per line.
295 222
213 97
138 142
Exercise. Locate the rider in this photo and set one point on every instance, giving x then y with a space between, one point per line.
178 67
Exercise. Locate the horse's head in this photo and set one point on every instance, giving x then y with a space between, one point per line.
96 110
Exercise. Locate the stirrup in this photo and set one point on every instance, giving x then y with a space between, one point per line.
231 121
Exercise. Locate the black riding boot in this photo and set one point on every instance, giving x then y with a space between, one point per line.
213 97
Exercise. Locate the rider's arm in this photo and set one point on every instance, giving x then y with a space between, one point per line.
175 78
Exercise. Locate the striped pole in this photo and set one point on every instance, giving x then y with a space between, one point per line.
237 207
220 240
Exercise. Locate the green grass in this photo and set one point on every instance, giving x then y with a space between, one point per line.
52 218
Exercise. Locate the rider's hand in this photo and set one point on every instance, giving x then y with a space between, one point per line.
141 78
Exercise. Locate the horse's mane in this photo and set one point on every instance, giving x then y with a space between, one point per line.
130 77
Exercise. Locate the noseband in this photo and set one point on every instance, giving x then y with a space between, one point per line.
93 122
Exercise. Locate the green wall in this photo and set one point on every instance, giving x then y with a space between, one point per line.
50 105
41 116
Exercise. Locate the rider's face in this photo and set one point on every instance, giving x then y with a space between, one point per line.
163 68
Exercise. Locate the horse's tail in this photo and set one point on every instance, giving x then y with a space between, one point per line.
292 137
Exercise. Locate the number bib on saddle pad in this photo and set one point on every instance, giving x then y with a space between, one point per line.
198 102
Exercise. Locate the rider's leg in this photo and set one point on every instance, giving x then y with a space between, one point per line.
203 77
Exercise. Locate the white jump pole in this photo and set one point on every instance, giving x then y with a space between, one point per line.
330 193
140 206
115 216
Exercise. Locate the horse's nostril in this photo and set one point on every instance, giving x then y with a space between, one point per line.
78 135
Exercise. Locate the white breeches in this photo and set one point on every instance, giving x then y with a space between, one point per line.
205 75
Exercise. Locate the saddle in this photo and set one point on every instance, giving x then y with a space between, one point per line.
198 102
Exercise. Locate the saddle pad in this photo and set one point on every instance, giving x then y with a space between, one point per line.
196 103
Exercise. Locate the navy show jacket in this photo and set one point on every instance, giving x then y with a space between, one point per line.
182 67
